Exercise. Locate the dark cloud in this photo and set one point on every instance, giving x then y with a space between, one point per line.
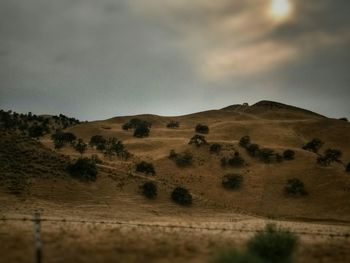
97 59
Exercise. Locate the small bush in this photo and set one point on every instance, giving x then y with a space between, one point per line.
330 155
141 131
84 169
236 161
215 148
295 187
36 131
288 154
181 159
232 181
145 167
149 189
348 167
266 155
198 140
344 119
314 145
244 141
80 146
253 150
201 128
97 140
173 124
273 245
181 196
134 123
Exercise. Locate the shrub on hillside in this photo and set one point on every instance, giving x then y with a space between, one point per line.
181 159
348 167
215 148
181 196
244 141
267 155
84 169
36 131
114 147
330 155
145 167
141 131
173 124
273 245
134 123
201 128
232 181
236 161
253 149
149 189
314 145
288 154
198 140
343 119
80 146
97 140
295 187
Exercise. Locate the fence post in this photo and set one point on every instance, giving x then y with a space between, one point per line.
38 243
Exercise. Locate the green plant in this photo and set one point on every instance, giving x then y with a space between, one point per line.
145 167
244 141
181 159
80 146
215 148
348 167
232 181
181 196
314 145
141 131
295 187
84 169
97 140
288 154
266 155
149 189
273 245
198 140
201 128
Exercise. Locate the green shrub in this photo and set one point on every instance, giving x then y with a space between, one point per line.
314 145
273 245
84 169
134 123
232 181
173 124
145 167
236 161
215 148
80 146
295 187
198 140
288 154
181 196
234 256
330 155
244 141
36 131
141 131
253 149
149 189
201 128
344 119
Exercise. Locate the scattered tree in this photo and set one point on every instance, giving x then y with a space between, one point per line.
145 167
314 145
181 159
343 119
181 196
173 124
215 148
198 140
84 169
295 187
253 150
149 189
288 154
141 131
232 181
266 155
330 155
201 128
97 140
244 141
80 146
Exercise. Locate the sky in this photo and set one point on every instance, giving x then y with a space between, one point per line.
99 59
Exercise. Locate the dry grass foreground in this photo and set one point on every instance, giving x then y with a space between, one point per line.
110 221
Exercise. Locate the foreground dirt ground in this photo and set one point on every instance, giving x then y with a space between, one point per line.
91 234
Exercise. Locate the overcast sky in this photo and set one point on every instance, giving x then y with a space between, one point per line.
98 59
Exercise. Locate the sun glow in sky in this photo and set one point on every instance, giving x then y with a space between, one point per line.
280 9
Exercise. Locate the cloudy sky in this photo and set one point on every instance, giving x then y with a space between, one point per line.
97 59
